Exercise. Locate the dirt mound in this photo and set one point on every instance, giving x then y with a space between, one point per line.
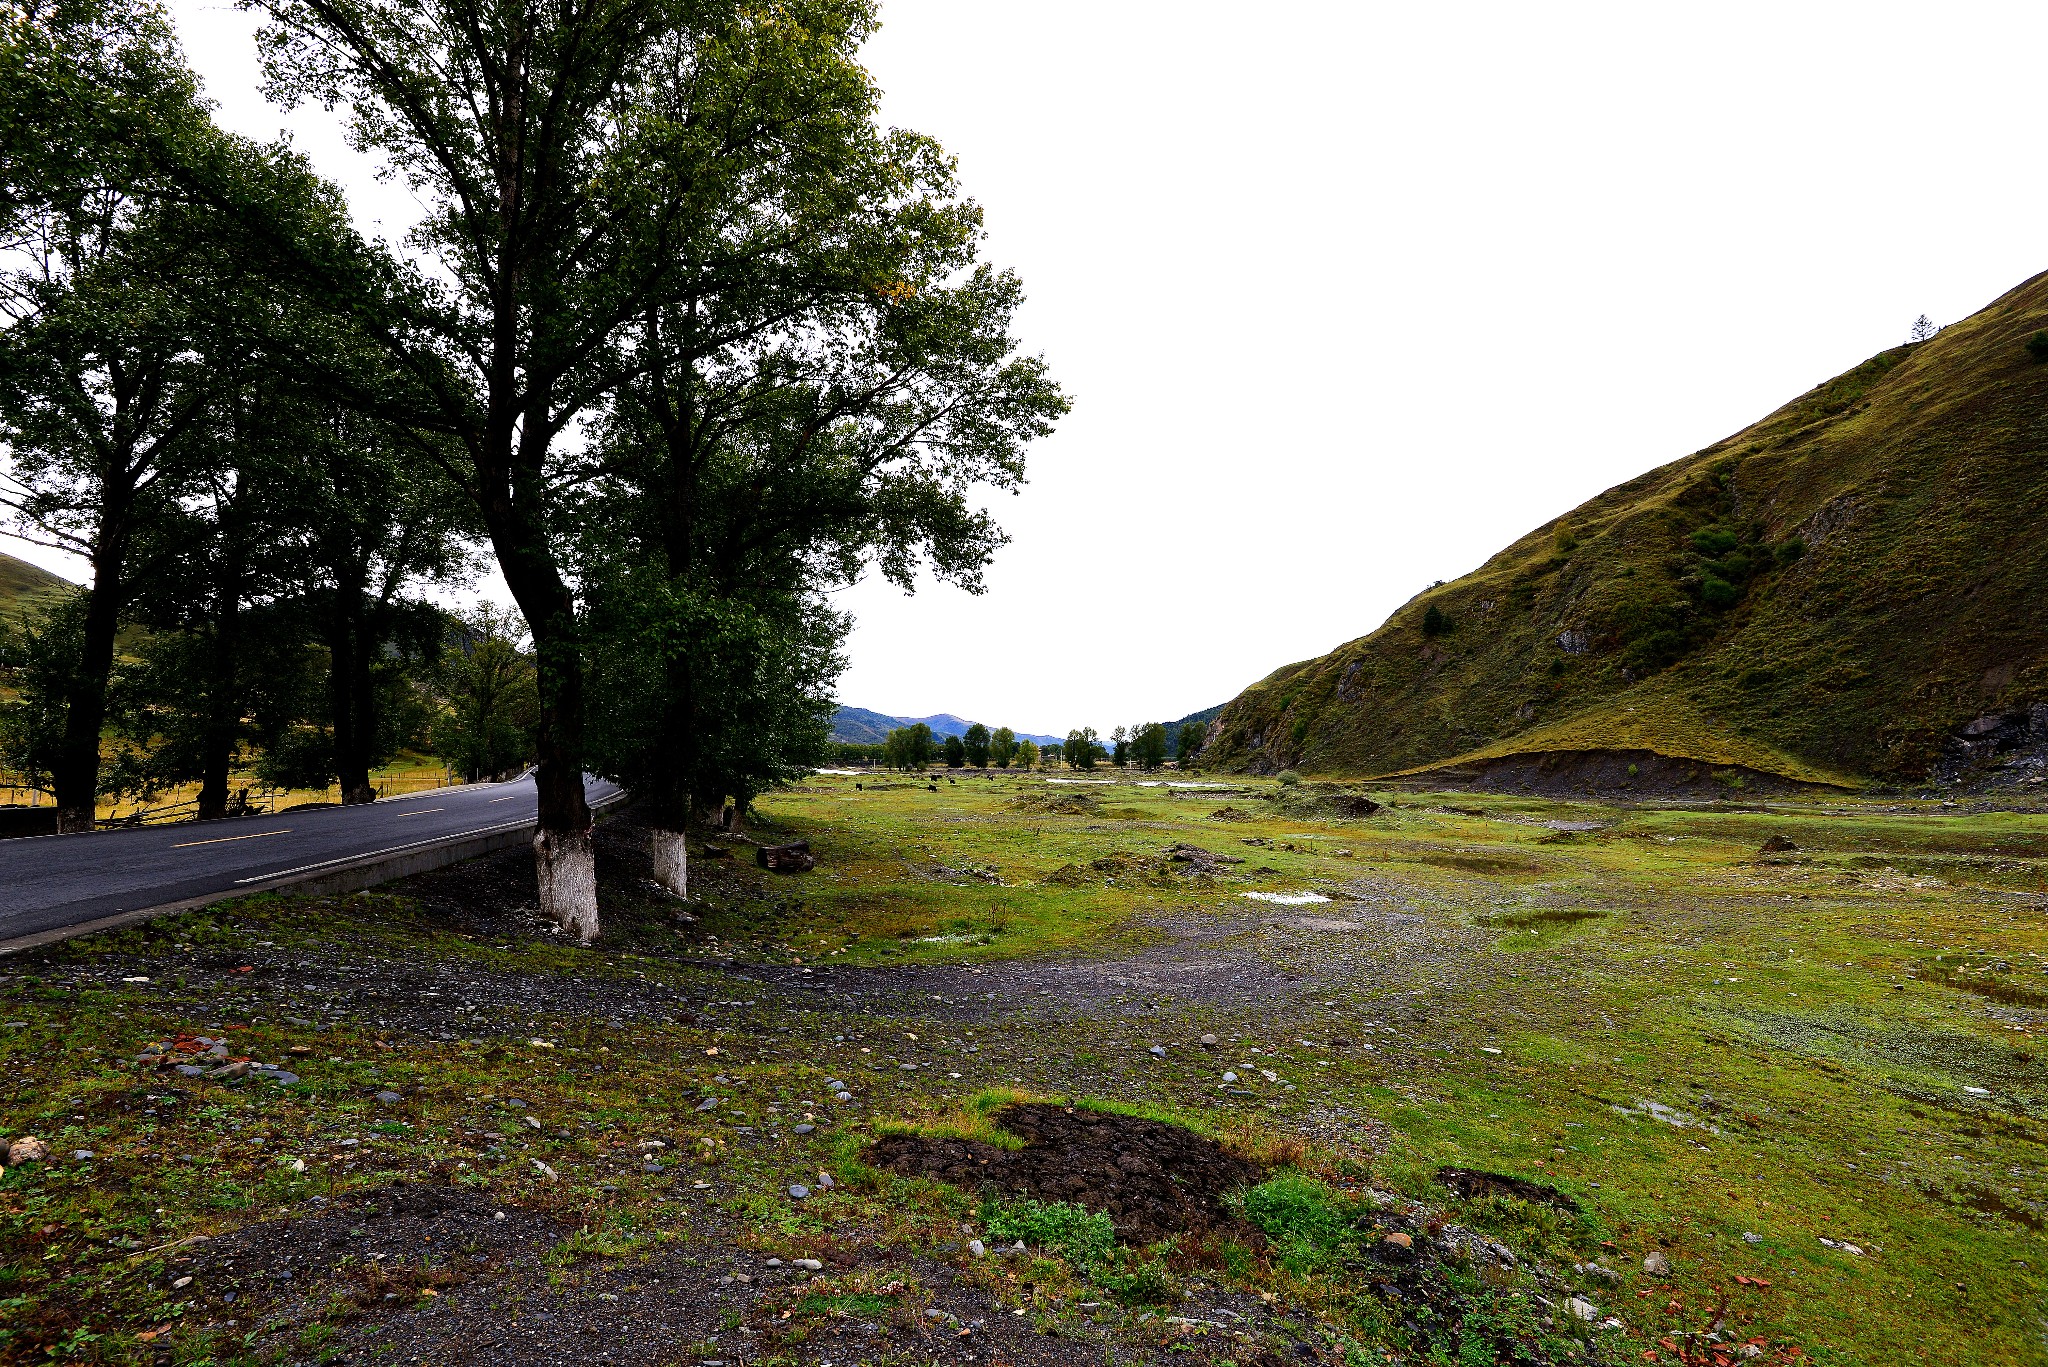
1152 1179
1056 804
1470 1182
1231 814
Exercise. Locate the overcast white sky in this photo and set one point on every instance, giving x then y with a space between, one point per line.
1349 295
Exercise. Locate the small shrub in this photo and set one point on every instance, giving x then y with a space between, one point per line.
1715 540
1565 539
1304 1219
1718 593
1435 622
2037 347
1081 1237
1793 547
1289 779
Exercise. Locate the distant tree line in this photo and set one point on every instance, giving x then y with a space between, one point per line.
685 340
916 748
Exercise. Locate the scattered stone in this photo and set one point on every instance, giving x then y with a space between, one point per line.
842 1097
977 1248
1750 1238
1777 844
1976 1091
1208 1041
709 1103
1583 1309
388 1098
27 1149
805 1129
807 1264
1157 1051
81 1155
825 1182
799 1192
1398 1240
1839 1245
1657 1265
1230 1077
189 1070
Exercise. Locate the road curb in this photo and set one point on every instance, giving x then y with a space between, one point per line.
351 873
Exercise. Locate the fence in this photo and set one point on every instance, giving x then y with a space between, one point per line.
182 803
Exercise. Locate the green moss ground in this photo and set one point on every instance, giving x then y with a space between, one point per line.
1507 997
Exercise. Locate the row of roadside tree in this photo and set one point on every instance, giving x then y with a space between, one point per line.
916 748
683 340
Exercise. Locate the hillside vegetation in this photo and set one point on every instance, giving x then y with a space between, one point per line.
23 585
1828 595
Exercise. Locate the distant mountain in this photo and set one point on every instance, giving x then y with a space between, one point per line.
858 726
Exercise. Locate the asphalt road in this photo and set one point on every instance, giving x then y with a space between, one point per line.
51 881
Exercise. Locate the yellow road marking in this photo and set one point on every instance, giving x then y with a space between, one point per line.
424 811
224 839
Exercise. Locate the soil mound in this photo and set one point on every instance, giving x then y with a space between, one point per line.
1152 1180
1470 1182
1056 804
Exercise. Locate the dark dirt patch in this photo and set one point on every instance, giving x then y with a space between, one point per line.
1057 804
1152 1179
1471 1182
360 1253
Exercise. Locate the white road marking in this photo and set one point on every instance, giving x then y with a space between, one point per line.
513 798
424 811
224 839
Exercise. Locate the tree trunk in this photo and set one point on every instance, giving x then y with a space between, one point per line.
347 661
563 856
77 771
355 785
666 842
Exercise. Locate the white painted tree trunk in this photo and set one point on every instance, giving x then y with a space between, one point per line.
671 860
567 865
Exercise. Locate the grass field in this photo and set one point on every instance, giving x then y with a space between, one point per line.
1804 1084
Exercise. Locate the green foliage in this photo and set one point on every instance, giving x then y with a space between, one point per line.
1082 748
1082 1237
1189 742
910 747
2037 347
1434 621
299 756
1289 778
487 680
39 664
1027 754
976 744
955 751
1148 746
1002 747
1309 1225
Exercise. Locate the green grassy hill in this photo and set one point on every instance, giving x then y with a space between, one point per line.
1827 595
23 584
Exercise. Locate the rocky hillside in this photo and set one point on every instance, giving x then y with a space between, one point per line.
1854 588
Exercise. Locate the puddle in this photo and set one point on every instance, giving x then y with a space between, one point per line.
1286 899
1090 782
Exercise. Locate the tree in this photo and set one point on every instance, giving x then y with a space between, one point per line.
976 743
133 309
548 204
1002 747
1923 328
1193 735
1027 754
487 685
1119 747
1052 753
910 747
1083 747
956 752
1148 746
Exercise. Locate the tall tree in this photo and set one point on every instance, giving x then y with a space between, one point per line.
976 743
1192 736
549 209
827 375
1002 747
129 307
1027 754
486 682
1148 745
1083 747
